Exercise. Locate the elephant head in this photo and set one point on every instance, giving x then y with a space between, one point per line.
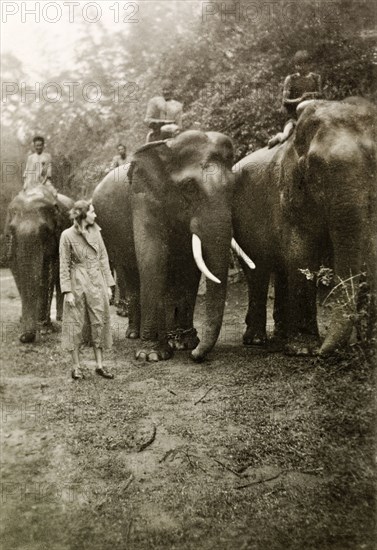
181 193
33 227
328 191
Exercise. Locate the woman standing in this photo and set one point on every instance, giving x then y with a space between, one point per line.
86 282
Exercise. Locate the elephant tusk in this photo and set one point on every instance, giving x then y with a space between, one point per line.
238 250
198 257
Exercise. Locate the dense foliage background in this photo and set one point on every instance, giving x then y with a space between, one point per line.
228 62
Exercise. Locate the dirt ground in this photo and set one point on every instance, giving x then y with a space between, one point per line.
249 450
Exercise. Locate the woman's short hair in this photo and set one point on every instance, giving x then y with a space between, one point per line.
301 56
79 210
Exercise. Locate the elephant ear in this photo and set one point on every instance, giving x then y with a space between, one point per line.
292 180
63 207
149 168
6 243
306 128
293 166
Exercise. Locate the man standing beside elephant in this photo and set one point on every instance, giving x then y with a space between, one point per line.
164 114
38 168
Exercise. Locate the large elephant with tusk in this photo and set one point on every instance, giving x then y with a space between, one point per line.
307 202
165 218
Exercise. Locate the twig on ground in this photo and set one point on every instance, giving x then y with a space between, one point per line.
197 465
128 535
259 481
203 396
149 442
243 469
167 454
175 452
189 459
172 392
227 467
292 390
128 482
264 401
300 453
313 471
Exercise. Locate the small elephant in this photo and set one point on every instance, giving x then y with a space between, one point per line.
311 198
34 223
165 218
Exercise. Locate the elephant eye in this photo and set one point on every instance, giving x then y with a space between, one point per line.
45 231
188 190
189 187
187 182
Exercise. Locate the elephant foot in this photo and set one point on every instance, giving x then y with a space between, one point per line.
132 333
122 312
277 342
153 352
181 339
251 338
49 327
337 337
302 347
198 358
122 309
27 337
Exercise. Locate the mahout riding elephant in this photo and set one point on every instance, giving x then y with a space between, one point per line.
164 218
34 223
295 206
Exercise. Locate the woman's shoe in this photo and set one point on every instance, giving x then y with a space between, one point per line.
104 373
77 374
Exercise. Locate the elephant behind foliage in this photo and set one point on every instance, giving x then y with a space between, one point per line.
307 200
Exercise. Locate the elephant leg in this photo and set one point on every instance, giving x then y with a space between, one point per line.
302 307
59 295
348 266
280 305
14 269
46 290
131 292
152 259
16 276
120 294
183 285
256 317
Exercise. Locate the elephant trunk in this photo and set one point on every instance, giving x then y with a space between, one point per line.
348 266
216 239
29 266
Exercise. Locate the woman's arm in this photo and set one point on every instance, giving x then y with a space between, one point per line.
65 264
